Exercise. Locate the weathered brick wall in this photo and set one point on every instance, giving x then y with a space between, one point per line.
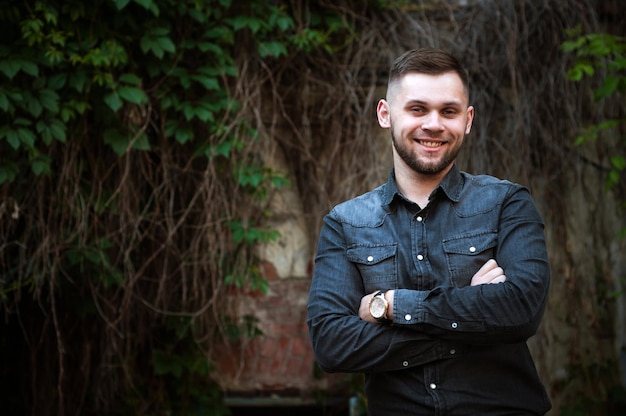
281 360
280 363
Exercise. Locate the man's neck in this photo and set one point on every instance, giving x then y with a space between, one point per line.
415 186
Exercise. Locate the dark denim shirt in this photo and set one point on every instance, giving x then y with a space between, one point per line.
452 348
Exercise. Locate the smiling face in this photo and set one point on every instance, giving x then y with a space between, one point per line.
428 116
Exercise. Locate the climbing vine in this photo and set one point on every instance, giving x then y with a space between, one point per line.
603 57
132 194
135 184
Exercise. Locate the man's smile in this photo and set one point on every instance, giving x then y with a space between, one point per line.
430 143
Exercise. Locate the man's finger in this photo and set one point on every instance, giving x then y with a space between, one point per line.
499 279
487 273
489 265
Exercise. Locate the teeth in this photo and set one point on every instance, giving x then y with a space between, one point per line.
430 144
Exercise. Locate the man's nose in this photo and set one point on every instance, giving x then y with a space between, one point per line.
432 121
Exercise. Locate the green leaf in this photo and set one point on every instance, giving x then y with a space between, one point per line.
608 88
57 81
57 129
618 162
189 111
130 79
50 100
113 101
612 179
117 141
274 49
41 165
27 136
142 143
8 172
79 80
221 33
209 83
21 121
34 107
617 64
30 68
572 45
120 4
67 114
12 138
9 67
204 114
5 104
149 5
221 149
44 132
240 22
132 94
166 44
157 41
183 135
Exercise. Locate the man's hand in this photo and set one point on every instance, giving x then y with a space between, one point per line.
489 273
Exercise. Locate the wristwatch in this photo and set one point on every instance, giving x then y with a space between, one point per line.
379 306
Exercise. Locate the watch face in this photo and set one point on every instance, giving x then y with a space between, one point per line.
377 307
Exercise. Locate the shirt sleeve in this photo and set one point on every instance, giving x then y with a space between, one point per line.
506 312
342 342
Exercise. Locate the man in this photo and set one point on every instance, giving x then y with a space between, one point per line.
432 283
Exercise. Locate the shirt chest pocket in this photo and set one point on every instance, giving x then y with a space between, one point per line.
466 254
377 265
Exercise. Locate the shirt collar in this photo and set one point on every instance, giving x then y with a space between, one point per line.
451 186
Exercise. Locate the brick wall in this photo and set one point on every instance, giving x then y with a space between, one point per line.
280 363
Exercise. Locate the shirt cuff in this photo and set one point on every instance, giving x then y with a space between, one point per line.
408 306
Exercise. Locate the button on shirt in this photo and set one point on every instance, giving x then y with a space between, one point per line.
451 348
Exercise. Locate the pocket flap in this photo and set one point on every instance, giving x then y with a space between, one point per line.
470 244
371 254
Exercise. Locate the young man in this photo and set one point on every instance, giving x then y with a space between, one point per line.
432 283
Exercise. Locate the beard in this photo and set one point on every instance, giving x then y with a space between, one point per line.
423 166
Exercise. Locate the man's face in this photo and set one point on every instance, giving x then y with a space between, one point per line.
428 116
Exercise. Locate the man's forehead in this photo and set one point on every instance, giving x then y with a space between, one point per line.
447 87
420 86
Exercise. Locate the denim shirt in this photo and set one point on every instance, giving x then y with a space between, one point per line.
451 348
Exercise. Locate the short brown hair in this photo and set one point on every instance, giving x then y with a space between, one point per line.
430 61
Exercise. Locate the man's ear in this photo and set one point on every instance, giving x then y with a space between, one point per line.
382 111
470 119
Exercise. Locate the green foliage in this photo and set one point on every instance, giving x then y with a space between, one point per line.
243 328
94 94
603 55
186 370
66 65
248 235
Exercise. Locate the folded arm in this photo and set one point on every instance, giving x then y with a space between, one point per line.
342 341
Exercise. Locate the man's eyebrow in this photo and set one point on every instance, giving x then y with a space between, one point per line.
453 103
